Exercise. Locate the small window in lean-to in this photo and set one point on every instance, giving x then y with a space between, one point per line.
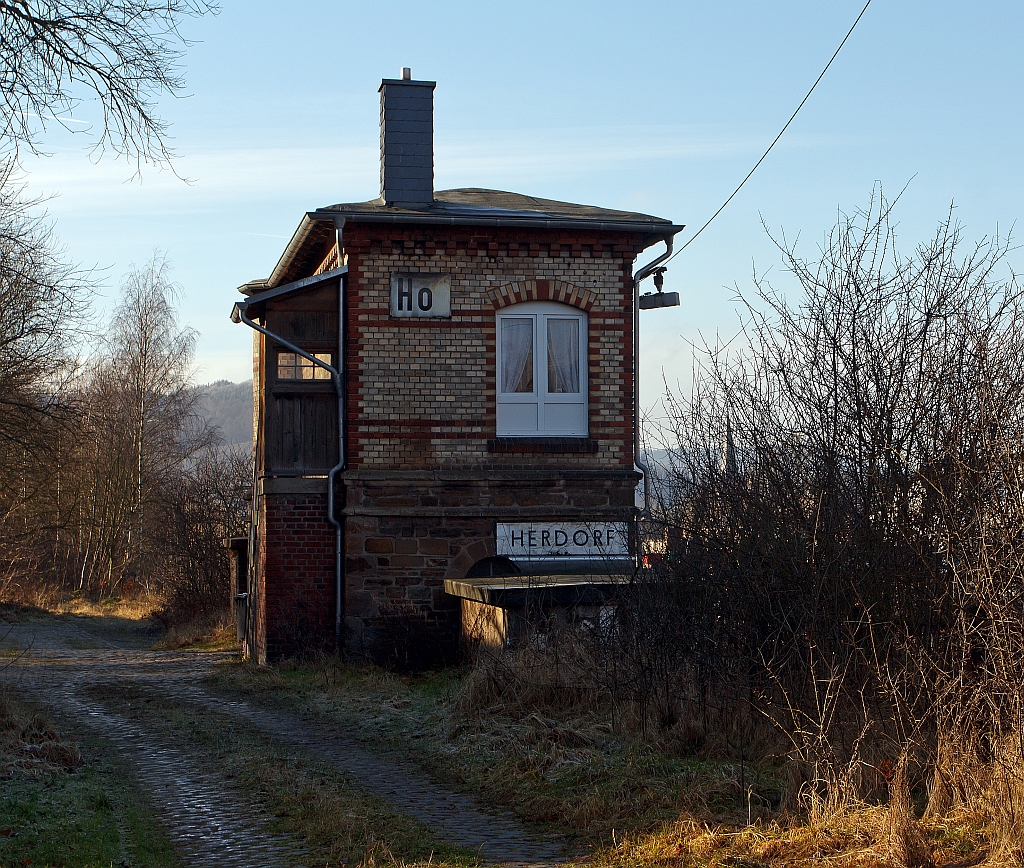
292 366
542 371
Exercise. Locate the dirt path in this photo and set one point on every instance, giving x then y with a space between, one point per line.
64 661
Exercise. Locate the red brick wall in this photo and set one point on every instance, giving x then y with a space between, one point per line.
298 574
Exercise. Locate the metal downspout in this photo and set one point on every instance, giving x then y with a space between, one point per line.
339 387
254 526
643 273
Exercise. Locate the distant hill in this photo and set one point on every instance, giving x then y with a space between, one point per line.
229 406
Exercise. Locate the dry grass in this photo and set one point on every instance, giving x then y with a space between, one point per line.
30 746
634 802
203 633
200 635
57 810
572 772
137 607
859 837
983 785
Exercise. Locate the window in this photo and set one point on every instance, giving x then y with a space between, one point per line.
542 372
292 366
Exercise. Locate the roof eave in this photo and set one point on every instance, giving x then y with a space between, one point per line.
658 230
255 302
298 239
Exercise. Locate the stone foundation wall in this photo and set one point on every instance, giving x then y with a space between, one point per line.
405 533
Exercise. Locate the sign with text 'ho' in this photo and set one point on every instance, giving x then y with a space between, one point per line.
421 294
543 540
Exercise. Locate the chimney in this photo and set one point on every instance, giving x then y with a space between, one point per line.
407 141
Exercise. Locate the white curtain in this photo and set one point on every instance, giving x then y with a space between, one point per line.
517 354
563 356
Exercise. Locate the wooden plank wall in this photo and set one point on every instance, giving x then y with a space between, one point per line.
302 415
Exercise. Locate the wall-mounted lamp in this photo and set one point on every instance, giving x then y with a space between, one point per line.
651 300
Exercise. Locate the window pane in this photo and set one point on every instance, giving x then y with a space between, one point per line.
563 356
322 373
517 354
292 366
286 366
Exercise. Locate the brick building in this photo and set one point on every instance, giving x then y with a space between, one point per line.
444 390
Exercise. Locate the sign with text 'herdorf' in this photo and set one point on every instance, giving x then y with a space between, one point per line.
541 540
421 294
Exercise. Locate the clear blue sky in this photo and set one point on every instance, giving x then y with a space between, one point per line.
653 106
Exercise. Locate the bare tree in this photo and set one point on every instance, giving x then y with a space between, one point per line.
144 415
44 306
54 54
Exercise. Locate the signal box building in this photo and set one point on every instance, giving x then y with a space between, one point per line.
444 387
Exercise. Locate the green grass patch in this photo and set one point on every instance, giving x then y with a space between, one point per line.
82 819
87 816
83 644
63 819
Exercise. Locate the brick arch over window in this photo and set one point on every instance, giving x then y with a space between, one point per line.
542 290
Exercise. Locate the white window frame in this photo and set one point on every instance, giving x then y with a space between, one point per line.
541 312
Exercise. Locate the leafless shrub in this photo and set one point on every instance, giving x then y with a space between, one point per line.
856 539
406 637
29 744
208 503
556 675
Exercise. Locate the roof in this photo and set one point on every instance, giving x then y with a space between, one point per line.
466 207
475 204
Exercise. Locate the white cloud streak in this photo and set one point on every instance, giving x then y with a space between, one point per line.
323 175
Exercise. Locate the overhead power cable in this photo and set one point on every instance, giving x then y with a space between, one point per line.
776 139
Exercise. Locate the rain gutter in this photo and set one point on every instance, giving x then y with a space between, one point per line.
662 230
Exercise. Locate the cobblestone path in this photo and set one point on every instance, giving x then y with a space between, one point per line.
209 822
